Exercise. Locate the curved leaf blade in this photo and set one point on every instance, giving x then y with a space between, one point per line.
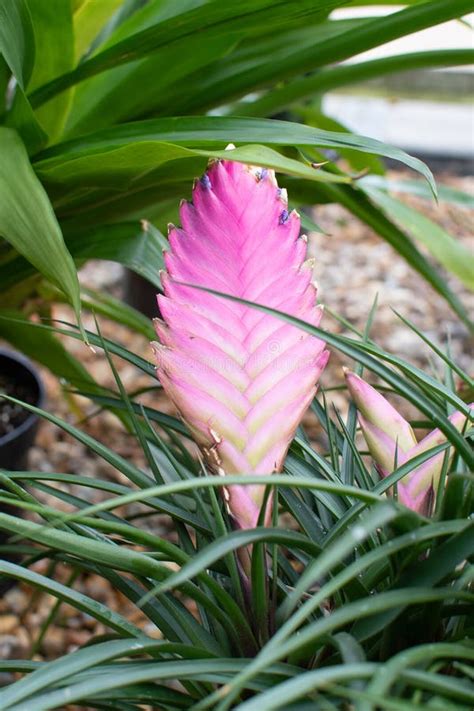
27 220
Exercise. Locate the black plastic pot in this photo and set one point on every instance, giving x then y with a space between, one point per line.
17 374
141 294
14 445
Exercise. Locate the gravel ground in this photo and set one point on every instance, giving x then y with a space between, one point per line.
352 266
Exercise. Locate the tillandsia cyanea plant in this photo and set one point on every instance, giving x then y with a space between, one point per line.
392 443
241 379
351 598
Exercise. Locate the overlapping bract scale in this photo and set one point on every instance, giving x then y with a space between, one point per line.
240 378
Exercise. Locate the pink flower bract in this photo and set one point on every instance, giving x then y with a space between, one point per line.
240 378
391 442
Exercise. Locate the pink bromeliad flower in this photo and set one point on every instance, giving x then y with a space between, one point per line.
241 379
392 442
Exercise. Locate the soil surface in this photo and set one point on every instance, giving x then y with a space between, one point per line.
12 415
352 266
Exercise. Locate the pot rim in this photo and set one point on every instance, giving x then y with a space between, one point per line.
32 418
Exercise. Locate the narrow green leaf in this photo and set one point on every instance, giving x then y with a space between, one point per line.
313 633
118 311
331 78
446 193
78 600
282 695
431 571
43 347
109 677
359 351
450 687
233 541
423 654
358 203
47 676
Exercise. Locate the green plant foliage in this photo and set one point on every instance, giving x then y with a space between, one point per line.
27 220
356 599
17 41
109 109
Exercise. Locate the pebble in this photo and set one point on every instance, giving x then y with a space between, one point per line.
8 623
53 643
16 600
14 646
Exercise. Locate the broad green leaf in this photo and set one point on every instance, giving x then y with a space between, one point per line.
446 249
114 168
127 9
357 160
139 362
248 14
22 118
255 63
54 41
88 18
27 220
135 164
135 89
211 133
17 41
17 45
137 247
147 15
5 74
161 90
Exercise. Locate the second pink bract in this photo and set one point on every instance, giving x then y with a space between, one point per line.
241 379
392 442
